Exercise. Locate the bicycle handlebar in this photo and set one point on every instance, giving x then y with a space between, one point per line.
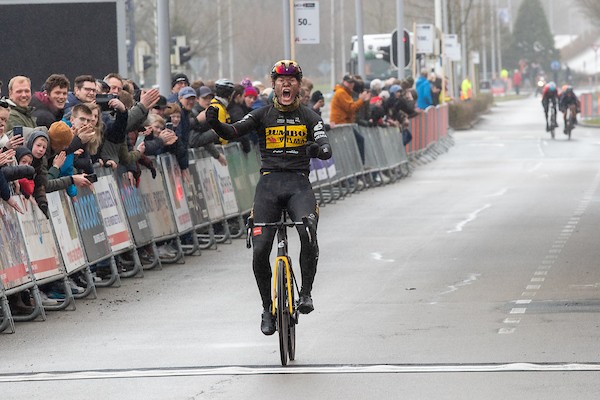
280 224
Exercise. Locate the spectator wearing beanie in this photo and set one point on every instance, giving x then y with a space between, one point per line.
60 136
24 157
178 82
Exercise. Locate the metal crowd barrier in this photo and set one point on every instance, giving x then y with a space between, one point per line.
108 224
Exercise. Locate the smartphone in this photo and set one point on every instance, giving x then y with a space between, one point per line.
92 178
169 125
17 131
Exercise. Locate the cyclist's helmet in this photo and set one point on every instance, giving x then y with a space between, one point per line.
224 88
287 68
569 89
552 86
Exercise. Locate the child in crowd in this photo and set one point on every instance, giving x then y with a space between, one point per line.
61 136
24 157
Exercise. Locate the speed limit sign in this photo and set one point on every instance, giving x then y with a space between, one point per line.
307 22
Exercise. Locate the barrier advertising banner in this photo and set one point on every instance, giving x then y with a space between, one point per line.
65 228
13 254
207 177
156 204
225 187
39 241
174 182
195 197
89 220
131 198
113 216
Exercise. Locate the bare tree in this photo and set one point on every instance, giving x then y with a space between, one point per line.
591 8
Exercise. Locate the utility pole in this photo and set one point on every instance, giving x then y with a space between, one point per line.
164 47
400 37
493 41
230 32
463 38
219 41
332 42
287 30
359 38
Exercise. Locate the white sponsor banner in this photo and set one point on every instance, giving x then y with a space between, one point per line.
173 179
452 47
307 22
208 180
113 216
39 241
225 186
424 36
65 229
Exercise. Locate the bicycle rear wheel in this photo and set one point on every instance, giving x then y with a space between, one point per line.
283 315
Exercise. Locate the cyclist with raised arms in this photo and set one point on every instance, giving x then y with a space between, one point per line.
549 94
289 135
569 99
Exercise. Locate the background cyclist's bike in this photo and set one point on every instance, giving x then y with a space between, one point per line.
285 289
553 123
570 119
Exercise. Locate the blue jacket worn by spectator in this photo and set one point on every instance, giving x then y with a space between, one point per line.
423 87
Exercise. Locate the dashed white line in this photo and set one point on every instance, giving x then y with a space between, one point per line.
459 227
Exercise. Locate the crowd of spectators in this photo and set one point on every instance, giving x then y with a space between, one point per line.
53 138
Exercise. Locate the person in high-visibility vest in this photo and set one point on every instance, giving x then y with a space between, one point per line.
466 90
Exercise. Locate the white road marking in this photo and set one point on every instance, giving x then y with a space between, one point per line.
299 370
524 301
518 310
459 227
379 257
536 166
502 192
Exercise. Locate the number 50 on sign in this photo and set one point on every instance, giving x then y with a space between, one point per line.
307 22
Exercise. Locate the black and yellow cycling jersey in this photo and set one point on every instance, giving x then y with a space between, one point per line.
283 136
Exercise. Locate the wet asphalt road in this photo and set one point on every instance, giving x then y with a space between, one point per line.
476 277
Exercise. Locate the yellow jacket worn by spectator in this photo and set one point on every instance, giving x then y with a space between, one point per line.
223 96
466 90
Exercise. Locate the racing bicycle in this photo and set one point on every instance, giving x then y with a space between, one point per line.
285 289
571 113
553 123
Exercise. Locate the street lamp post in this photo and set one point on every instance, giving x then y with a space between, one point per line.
595 47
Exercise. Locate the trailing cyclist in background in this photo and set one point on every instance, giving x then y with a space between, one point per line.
550 94
289 135
569 102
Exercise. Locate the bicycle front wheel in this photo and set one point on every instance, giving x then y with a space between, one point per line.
283 315
293 320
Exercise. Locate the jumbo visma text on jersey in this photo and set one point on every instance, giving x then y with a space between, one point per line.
278 137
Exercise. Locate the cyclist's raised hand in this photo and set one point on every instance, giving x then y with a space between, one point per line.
212 116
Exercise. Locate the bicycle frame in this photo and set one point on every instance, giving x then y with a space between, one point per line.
286 318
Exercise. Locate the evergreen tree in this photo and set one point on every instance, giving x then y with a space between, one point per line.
531 38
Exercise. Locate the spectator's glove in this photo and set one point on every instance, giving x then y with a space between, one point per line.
44 208
212 117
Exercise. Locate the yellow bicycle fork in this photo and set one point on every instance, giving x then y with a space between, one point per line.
288 276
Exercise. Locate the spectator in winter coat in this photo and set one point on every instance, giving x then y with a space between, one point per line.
49 104
423 87
19 92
